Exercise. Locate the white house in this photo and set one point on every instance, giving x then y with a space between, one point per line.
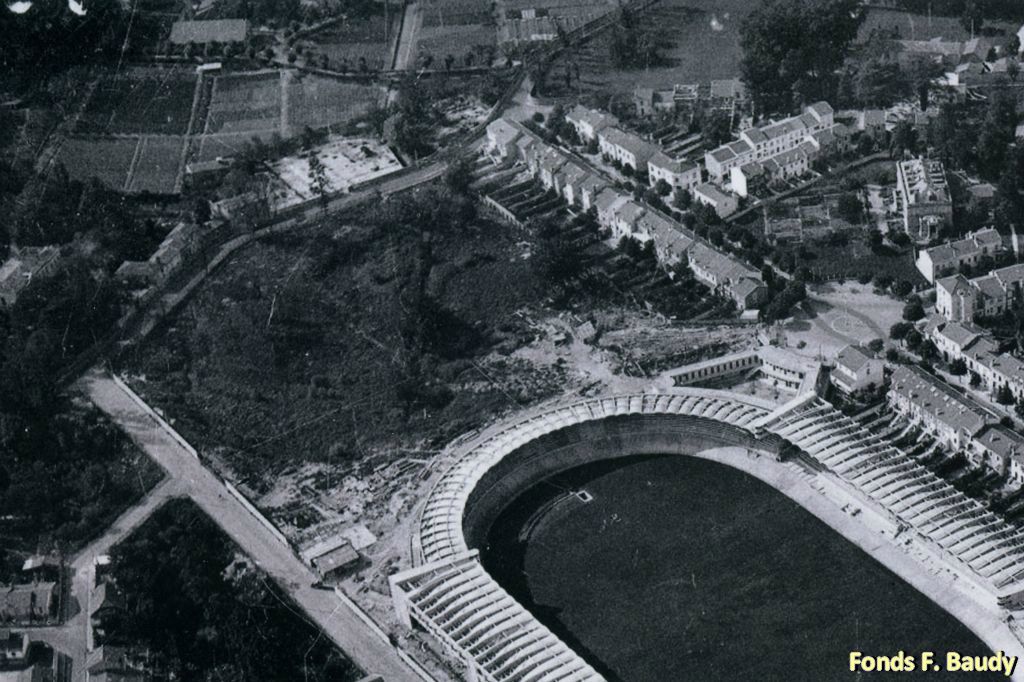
723 203
857 369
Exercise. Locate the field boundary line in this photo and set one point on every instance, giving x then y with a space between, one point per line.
133 164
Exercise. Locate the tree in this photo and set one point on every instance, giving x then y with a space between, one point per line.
1019 408
792 50
912 312
899 331
958 367
904 139
1013 68
902 288
876 345
459 175
662 188
850 208
1004 396
318 180
716 128
973 17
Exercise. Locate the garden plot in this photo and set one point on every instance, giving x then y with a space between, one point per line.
319 102
346 161
357 42
107 160
148 101
158 165
245 103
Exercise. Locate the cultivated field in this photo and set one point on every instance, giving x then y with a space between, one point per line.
320 102
148 101
158 165
245 103
355 39
108 160
456 28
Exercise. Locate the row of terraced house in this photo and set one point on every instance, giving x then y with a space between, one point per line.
957 421
777 150
980 353
581 186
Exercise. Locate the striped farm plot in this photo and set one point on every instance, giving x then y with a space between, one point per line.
158 165
347 161
245 103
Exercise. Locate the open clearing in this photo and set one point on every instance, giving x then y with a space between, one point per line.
292 370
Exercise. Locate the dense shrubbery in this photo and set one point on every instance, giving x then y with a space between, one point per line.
64 479
211 615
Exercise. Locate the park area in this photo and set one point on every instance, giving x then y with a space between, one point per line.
140 100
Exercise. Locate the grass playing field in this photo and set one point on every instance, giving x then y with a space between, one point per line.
684 569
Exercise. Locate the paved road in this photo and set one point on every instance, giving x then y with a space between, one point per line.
339 622
73 638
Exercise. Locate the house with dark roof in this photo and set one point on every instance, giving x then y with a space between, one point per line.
13 649
569 183
627 219
1002 450
589 188
923 198
31 604
769 140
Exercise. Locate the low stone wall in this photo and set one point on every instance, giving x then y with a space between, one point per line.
594 441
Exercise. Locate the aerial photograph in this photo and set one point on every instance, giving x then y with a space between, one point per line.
511 340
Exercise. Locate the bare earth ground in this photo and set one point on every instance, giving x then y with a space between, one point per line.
840 314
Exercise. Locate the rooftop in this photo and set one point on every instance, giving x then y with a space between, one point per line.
937 398
212 31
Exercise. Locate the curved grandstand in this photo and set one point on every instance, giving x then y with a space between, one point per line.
449 593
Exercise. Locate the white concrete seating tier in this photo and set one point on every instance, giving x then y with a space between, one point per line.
957 524
463 605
